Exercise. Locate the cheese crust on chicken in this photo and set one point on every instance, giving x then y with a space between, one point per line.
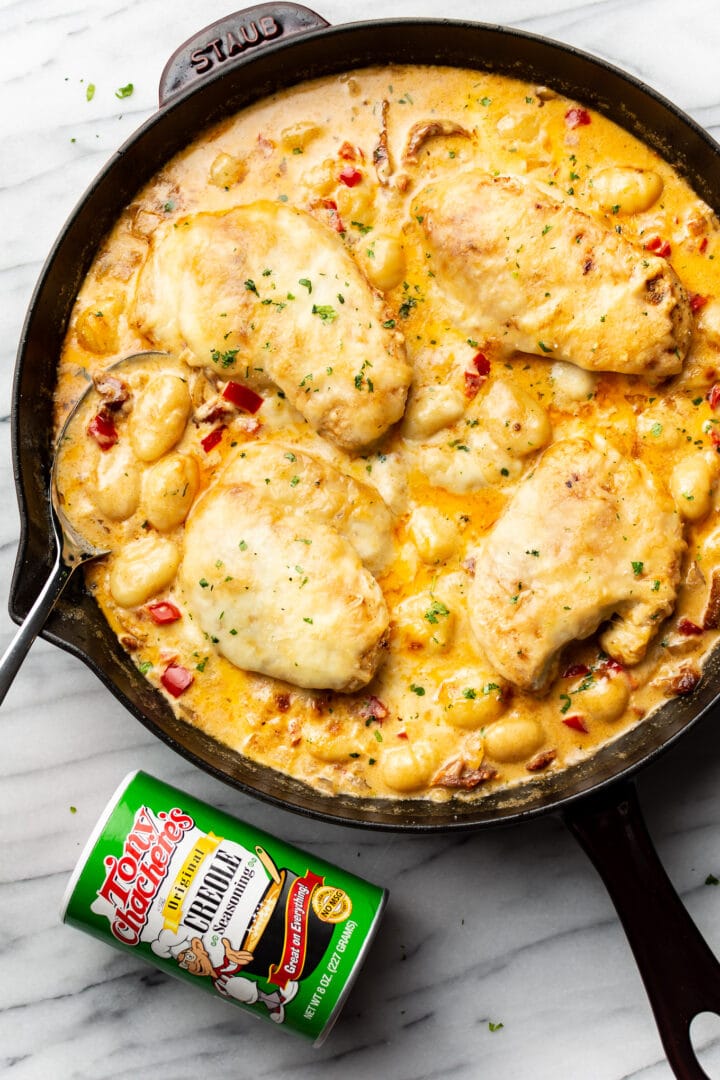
308 614
267 293
542 277
589 536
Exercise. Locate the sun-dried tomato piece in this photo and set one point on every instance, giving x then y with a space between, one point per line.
689 628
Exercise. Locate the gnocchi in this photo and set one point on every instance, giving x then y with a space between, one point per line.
691 483
169 490
142 570
159 416
516 421
627 190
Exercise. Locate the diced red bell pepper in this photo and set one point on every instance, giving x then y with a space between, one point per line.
576 723
402 734
163 612
212 438
713 396
659 246
577 117
475 379
350 176
102 429
176 679
242 396
689 628
481 364
575 670
698 302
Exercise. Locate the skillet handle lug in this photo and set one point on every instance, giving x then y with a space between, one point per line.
681 975
230 41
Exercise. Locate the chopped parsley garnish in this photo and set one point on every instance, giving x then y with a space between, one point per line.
656 429
124 91
712 880
637 568
545 348
306 284
325 311
144 667
406 307
243 545
225 359
389 324
307 620
419 690
295 481
290 456
203 583
362 228
90 91
495 1027
567 702
435 609
251 286
469 693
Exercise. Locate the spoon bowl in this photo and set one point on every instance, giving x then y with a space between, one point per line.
72 548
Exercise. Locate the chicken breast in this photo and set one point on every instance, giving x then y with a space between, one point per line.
266 293
540 277
281 594
312 488
589 536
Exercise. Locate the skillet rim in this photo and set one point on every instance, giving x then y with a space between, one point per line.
406 814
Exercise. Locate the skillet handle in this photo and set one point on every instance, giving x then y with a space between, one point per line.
228 42
681 975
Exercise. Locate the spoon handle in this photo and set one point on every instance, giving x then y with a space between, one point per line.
33 624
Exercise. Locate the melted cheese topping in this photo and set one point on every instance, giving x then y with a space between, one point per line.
328 532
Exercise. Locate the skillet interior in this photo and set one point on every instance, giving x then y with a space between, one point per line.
77 624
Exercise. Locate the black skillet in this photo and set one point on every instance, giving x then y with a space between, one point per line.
221 70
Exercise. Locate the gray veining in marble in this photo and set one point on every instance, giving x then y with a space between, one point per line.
508 926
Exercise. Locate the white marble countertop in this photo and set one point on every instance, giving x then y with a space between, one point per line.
509 926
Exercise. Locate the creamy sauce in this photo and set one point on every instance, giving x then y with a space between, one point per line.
436 720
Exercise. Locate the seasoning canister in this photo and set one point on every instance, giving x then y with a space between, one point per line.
224 905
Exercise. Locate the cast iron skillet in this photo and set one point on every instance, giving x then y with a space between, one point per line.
222 69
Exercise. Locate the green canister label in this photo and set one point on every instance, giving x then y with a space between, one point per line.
224 905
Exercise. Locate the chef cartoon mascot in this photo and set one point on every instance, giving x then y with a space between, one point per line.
213 956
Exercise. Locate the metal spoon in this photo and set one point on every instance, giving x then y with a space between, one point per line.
72 549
